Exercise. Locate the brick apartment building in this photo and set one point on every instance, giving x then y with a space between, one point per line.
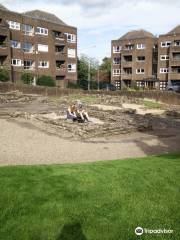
140 59
37 42
134 59
169 57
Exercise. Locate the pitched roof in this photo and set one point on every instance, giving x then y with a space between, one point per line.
174 31
3 7
44 16
137 34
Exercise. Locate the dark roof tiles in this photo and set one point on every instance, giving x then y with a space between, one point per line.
135 34
174 31
44 16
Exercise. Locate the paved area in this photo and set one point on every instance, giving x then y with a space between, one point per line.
22 143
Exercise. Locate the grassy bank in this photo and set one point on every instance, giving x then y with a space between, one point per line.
99 201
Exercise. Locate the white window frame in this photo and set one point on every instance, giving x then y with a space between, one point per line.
141 46
165 44
71 38
43 48
18 62
26 31
117 49
164 57
71 53
42 31
14 25
140 71
164 70
31 50
43 64
177 43
116 72
71 69
18 44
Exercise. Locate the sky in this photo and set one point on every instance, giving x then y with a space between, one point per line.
100 21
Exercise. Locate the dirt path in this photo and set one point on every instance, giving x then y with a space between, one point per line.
140 109
20 144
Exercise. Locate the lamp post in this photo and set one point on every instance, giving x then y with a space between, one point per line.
89 67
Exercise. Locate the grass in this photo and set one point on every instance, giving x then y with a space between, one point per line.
96 201
90 99
152 104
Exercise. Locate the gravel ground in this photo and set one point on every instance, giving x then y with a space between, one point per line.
23 145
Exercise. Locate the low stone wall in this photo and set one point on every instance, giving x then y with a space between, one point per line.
161 96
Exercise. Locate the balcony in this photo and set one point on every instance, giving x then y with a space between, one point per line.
3 50
60 52
174 62
174 76
59 36
60 68
2 61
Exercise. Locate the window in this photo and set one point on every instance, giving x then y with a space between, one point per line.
71 53
43 64
27 29
177 43
42 48
165 44
176 56
116 61
71 37
129 47
164 70
42 31
164 57
117 49
116 72
14 25
141 58
71 67
15 44
16 62
127 71
27 47
163 85
118 85
140 71
141 46
28 64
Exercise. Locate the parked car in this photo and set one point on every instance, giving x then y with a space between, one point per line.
173 86
110 87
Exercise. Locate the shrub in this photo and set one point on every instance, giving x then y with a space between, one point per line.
27 78
46 81
4 75
73 85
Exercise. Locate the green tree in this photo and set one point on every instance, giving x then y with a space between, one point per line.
46 81
4 75
83 66
27 78
106 65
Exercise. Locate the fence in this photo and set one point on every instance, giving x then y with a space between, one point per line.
162 96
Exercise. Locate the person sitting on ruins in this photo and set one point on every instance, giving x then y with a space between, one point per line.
71 112
81 113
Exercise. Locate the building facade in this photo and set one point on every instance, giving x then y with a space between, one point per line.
134 60
169 57
40 43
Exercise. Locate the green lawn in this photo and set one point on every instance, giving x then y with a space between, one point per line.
152 104
104 201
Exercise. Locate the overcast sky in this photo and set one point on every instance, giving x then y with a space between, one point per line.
100 21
